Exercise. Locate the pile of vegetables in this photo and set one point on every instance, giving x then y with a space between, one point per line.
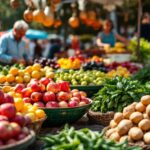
144 49
143 75
117 93
133 124
83 139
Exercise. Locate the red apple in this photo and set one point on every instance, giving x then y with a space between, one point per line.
5 130
83 94
53 87
39 104
8 110
64 86
11 141
3 118
43 88
1 143
52 104
62 96
45 81
16 129
36 96
27 100
19 119
75 99
26 92
1 97
35 87
76 94
8 98
19 87
82 103
86 100
21 136
74 90
49 96
73 103
63 104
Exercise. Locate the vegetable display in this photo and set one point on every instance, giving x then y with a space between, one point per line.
116 94
83 139
133 124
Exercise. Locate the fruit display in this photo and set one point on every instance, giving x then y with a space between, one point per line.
82 139
47 93
15 75
119 71
12 124
132 68
95 58
133 124
117 93
47 62
93 65
81 77
69 63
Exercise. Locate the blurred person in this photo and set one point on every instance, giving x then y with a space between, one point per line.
46 48
75 42
108 37
145 26
38 49
13 49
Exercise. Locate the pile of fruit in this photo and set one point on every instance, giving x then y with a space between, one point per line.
16 75
93 65
83 139
46 93
81 77
47 62
95 58
119 71
68 63
118 93
132 68
133 124
12 124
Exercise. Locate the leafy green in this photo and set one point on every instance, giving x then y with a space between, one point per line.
118 93
83 139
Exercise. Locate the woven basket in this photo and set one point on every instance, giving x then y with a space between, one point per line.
100 118
22 144
36 125
141 144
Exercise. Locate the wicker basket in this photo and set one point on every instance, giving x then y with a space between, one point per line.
22 144
36 126
140 144
100 118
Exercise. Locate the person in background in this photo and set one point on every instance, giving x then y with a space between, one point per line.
13 48
37 49
108 37
145 27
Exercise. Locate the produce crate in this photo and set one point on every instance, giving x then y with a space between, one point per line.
90 90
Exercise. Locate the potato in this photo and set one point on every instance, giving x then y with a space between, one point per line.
148 110
147 138
136 117
113 124
135 133
127 111
110 131
145 116
118 117
145 100
123 138
144 124
124 126
115 136
140 107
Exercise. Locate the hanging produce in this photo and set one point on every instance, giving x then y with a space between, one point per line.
28 15
14 4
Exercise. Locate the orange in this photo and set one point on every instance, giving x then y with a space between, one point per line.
40 113
6 88
26 78
36 74
28 69
32 109
19 79
2 78
21 73
10 78
13 71
36 67
19 103
25 108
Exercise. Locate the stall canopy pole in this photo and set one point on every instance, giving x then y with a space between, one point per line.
139 28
